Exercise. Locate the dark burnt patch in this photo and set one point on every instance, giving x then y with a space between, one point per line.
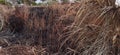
16 24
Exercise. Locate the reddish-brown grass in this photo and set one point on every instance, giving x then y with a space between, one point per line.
90 27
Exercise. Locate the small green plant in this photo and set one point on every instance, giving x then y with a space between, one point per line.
2 1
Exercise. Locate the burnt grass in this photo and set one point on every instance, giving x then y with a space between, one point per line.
69 29
38 27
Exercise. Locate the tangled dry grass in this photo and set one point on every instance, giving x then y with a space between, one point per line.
90 27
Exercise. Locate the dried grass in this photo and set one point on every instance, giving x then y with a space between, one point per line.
93 30
90 27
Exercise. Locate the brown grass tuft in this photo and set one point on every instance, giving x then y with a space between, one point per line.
90 27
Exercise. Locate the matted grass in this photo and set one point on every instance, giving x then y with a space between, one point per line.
90 27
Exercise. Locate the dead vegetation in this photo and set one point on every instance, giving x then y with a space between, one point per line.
90 27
